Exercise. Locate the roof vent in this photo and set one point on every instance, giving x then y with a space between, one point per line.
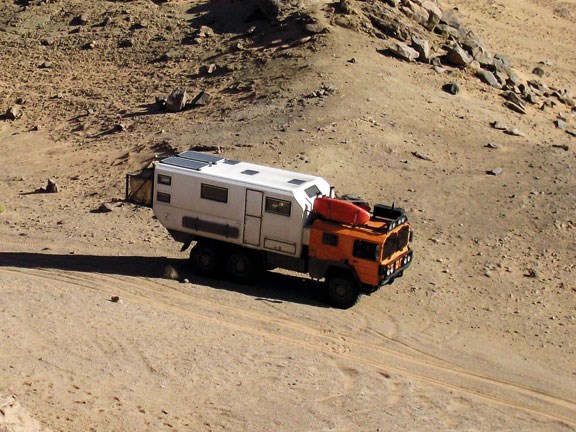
250 172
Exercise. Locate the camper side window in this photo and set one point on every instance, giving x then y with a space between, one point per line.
214 193
164 179
163 197
278 206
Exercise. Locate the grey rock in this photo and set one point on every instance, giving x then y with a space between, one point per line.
501 77
203 98
205 32
482 55
457 56
422 156
571 132
514 98
498 125
403 51
489 78
538 71
492 146
422 46
519 108
434 14
393 3
176 101
451 88
501 62
495 171
560 124
514 132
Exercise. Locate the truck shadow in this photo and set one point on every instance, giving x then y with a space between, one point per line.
272 287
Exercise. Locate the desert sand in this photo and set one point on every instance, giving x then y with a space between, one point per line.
477 336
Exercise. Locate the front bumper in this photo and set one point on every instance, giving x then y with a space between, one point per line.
396 268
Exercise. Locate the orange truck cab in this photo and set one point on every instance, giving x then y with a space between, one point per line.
357 259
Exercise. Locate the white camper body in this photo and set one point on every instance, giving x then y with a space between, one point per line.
205 196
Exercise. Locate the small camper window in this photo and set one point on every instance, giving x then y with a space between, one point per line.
278 206
214 193
164 179
163 197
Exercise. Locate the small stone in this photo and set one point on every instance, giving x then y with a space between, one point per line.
205 32
211 68
176 101
13 113
560 124
571 132
451 88
514 132
105 208
52 186
495 171
492 146
531 273
422 156
115 299
538 71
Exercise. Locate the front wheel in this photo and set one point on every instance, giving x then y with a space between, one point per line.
205 259
342 290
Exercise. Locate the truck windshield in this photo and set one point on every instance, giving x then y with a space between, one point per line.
390 245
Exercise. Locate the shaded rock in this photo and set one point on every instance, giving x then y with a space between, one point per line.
492 146
13 113
403 51
457 56
451 88
203 98
176 101
560 124
105 208
52 186
489 78
171 273
391 26
422 46
538 71
393 3
114 299
126 43
571 132
206 148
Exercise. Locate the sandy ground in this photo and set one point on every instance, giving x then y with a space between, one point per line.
478 335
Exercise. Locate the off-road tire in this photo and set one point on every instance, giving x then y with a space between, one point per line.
205 258
342 290
242 266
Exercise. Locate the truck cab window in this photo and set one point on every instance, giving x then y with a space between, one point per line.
390 245
330 239
365 250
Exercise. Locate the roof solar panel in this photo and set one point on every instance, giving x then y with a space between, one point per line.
185 163
202 157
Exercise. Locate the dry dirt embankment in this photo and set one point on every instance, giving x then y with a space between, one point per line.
477 336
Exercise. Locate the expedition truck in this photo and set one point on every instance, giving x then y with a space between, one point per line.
246 218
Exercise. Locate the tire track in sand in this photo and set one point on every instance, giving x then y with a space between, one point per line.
399 360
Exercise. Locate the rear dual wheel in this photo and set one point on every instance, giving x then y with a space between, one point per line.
206 258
